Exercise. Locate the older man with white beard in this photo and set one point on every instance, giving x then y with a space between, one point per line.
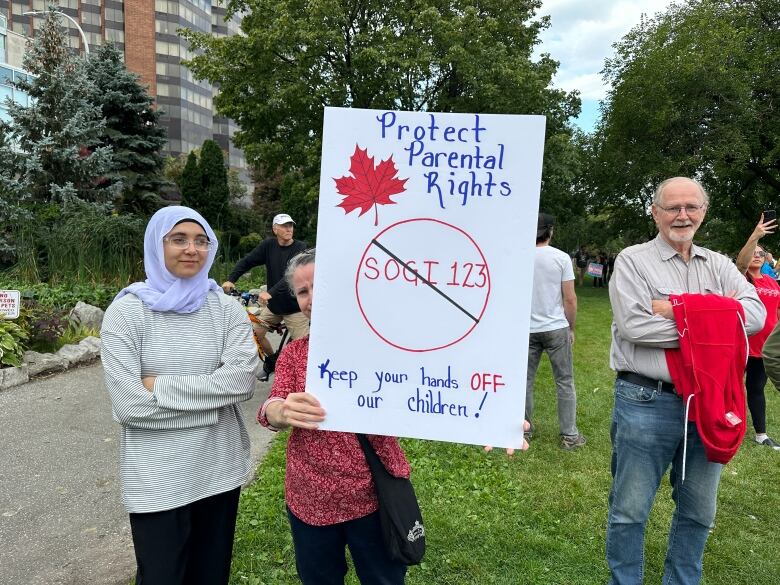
648 420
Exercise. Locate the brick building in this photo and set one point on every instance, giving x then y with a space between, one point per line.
146 31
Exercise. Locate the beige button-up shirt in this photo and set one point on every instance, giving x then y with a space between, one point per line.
653 271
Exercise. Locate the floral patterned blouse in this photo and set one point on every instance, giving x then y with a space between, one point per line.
769 293
327 480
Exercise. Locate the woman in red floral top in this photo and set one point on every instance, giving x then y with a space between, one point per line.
331 501
750 261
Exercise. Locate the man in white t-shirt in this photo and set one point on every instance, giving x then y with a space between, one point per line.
553 313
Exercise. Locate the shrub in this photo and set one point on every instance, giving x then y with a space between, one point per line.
89 246
248 243
44 325
75 333
12 338
43 317
229 241
64 296
255 278
82 244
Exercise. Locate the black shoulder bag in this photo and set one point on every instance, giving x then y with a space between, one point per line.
399 514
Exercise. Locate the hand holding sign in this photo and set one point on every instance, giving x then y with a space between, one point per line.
510 451
299 409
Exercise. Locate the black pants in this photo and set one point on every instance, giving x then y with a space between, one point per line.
190 545
320 552
755 380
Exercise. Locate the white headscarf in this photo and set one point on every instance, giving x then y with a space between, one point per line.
162 291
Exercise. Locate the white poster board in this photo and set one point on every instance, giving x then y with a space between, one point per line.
425 247
9 304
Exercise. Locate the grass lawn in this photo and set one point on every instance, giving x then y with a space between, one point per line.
538 517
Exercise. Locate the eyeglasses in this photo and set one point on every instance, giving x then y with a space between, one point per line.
759 254
182 243
675 211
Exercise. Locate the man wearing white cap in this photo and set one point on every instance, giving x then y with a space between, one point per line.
278 303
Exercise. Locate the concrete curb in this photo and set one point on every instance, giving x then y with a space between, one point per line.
40 364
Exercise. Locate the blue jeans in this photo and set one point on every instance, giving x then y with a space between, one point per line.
647 436
320 554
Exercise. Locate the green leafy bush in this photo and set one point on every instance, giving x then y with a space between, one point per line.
75 333
44 325
64 296
87 246
12 338
47 328
255 278
81 243
248 243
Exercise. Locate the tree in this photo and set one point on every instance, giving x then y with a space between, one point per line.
297 57
204 184
12 196
266 200
236 188
174 167
215 195
59 132
695 92
132 131
190 184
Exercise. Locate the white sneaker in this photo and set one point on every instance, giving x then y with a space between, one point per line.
769 442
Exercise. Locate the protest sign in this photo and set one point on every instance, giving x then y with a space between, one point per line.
9 304
425 251
595 269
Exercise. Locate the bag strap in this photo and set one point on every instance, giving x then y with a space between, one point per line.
374 462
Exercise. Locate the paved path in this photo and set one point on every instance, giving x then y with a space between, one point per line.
61 515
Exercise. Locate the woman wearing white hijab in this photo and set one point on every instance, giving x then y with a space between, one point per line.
179 358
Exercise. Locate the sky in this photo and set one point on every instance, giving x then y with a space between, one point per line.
580 37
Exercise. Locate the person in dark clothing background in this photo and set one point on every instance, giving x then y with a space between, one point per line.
609 267
598 281
278 304
581 258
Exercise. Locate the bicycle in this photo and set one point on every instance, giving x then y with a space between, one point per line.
250 302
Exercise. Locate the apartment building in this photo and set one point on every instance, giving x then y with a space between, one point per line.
11 53
146 31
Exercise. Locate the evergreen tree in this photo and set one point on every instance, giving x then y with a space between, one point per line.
190 183
215 194
60 130
132 130
12 195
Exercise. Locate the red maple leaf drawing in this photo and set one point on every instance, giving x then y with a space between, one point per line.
369 186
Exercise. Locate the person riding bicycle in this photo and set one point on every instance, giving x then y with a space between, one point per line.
278 304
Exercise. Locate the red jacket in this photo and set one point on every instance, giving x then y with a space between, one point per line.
710 365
